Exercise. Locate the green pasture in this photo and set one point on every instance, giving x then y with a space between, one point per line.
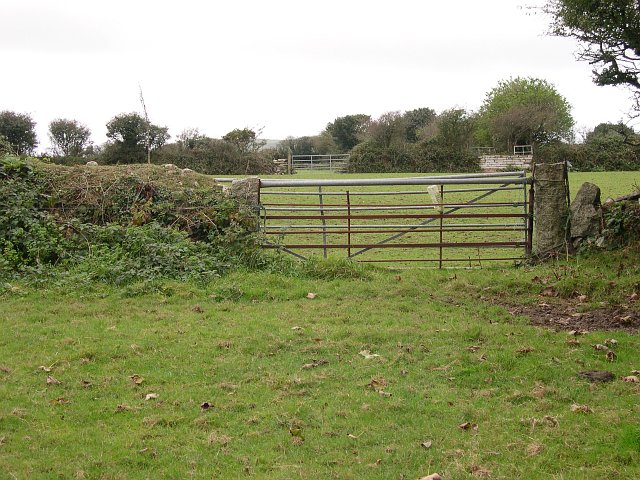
378 374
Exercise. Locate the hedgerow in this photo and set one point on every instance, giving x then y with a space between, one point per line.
119 224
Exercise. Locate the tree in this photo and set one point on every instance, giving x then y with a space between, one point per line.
416 120
389 129
131 135
18 129
609 36
69 137
247 144
452 129
245 140
524 111
347 131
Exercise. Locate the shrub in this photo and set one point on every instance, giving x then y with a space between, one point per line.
120 224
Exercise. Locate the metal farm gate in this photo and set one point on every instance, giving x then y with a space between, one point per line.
457 219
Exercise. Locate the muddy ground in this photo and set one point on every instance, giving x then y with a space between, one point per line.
568 316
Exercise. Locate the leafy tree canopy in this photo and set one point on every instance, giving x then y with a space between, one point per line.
524 111
69 137
417 119
245 140
133 137
609 36
347 131
18 130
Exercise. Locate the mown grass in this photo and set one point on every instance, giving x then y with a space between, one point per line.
290 394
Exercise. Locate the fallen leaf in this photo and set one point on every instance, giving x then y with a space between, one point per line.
611 341
600 347
52 380
631 379
473 348
581 408
426 444
205 405
5 369
635 372
611 356
122 408
549 292
314 364
311 295
136 379
351 436
534 449
384 394
468 426
368 355
551 421
433 476
377 383
86 383
524 350
197 309
572 342
44 369
151 396
297 440
296 328
478 471
59 401
375 464
482 357
582 298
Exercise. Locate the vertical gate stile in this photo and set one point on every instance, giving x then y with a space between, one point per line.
348 225
324 224
441 222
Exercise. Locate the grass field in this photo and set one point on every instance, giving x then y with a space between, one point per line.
328 370
382 375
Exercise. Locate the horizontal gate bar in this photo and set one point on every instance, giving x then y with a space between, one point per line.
433 260
408 215
400 192
413 227
426 206
267 183
406 245
405 230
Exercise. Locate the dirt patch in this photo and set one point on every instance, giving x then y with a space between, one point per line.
566 317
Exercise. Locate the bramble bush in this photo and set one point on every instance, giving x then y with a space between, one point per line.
119 224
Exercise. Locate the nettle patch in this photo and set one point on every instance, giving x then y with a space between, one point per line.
119 224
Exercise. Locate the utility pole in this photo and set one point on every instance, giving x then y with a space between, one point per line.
148 134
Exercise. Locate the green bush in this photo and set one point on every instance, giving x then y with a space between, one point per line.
119 224
424 157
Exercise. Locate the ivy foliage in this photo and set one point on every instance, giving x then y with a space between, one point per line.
119 224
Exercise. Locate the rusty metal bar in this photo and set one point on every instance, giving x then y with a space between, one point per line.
408 245
349 231
332 207
408 215
441 210
432 260
324 223
349 226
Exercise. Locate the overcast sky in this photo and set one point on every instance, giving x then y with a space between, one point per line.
288 66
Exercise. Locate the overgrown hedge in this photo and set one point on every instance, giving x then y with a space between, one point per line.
369 157
119 224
